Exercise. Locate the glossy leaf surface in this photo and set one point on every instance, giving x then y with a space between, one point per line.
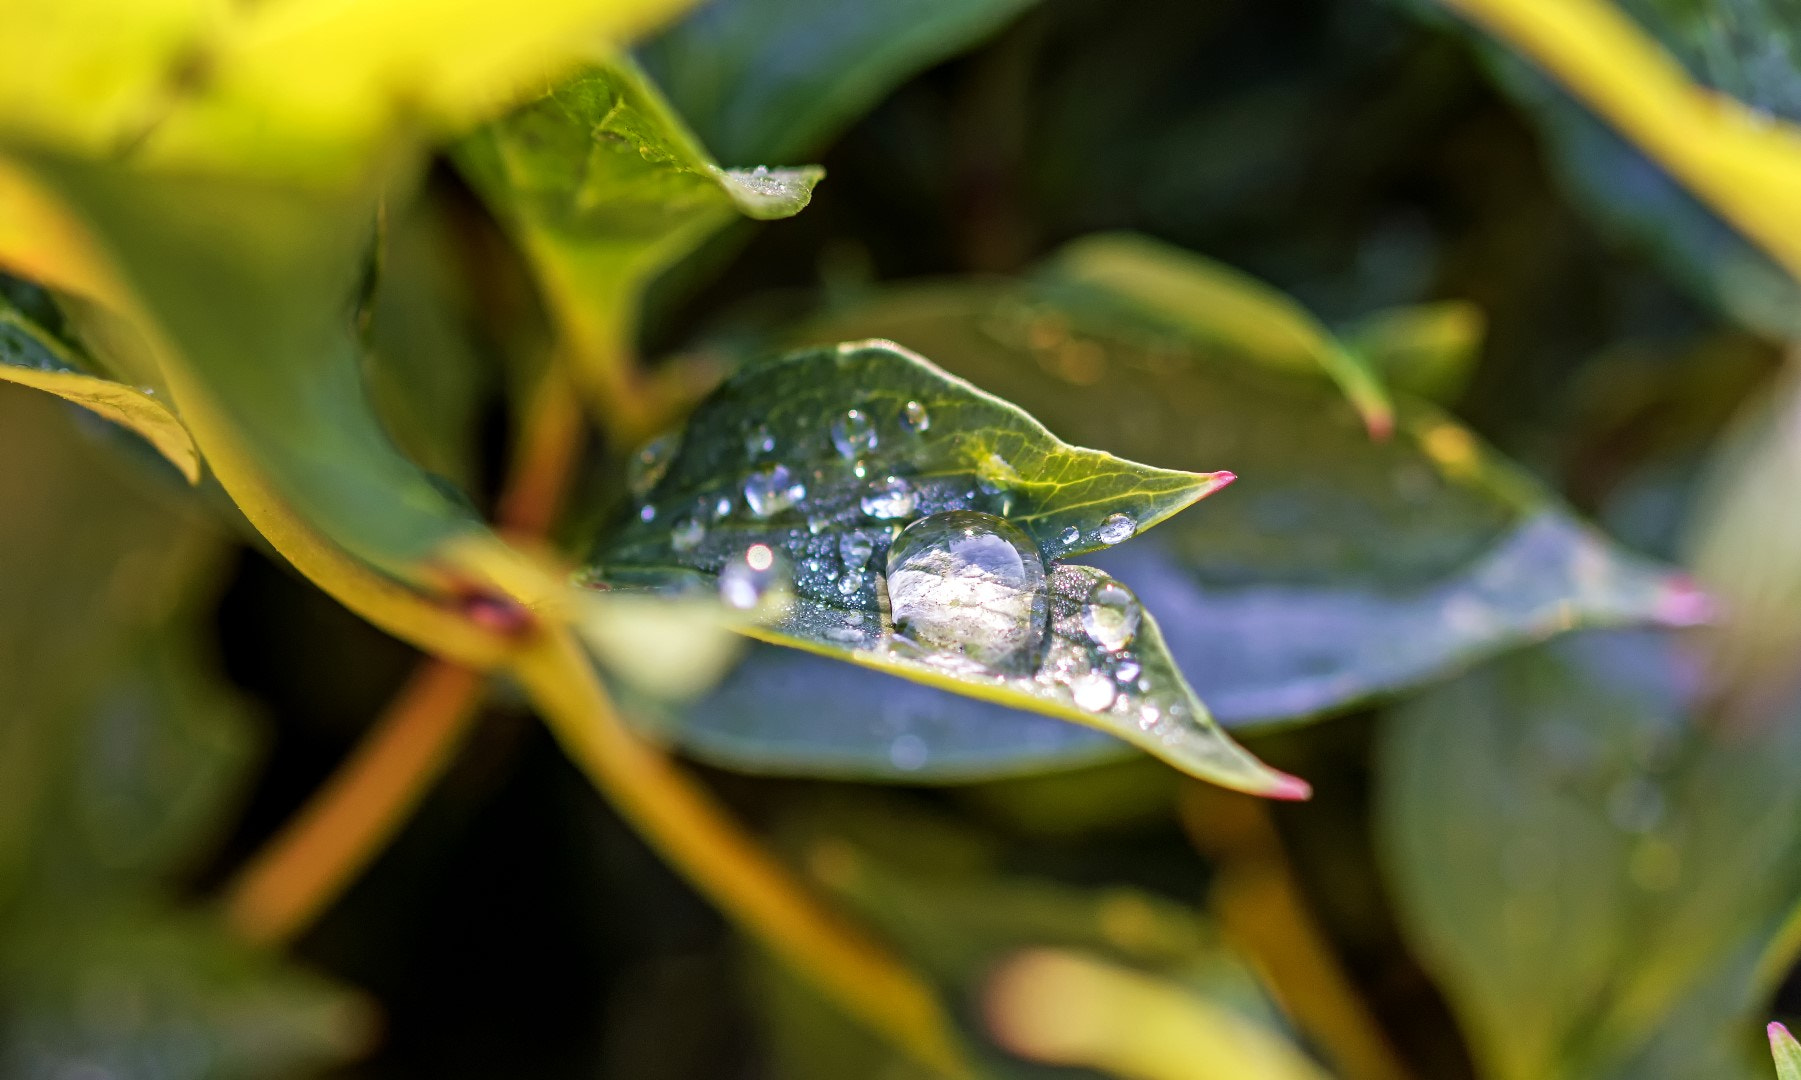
820 457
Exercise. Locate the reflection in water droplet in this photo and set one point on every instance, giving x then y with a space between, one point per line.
770 490
1069 536
907 752
1117 529
759 442
850 582
914 415
889 498
1093 691
855 549
970 583
1111 616
647 466
853 433
747 579
686 534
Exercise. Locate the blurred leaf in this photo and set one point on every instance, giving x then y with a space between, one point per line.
1787 1053
1211 302
99 991
822 456
772 80
1338 568
31 355
1598 872
1732 153
292 89
119 750
1426 350
604 188
940 892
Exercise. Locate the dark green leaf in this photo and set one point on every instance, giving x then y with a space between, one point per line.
771 80
1598 870
1338 567
821 457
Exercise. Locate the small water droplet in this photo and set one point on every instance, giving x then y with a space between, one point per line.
818 523
721 508
1127 671
770 490
759 442
854 433
889 498
647 513
647 467
1111 616
1117 529
915 416
850 582
747 579
687 534
1093 692
969 583
1069 536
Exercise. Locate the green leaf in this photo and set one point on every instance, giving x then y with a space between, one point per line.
1337 568
772 80
1786 1051
31 355
1212 302
1598 871
604 188
1426 350
821 456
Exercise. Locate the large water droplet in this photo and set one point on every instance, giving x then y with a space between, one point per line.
772 489
914 415
686 534
854 434
889 498
1117 529
1111 616
971 583
1093 691
1069 536
747 579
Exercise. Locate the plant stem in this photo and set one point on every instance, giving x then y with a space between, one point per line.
322 848
1262 912
696 835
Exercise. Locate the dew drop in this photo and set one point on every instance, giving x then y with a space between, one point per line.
647 513
1127 671
1069 536
818 523
854 434
889 498
647 467
914 415
855 549
770 490
687 534
1093 692
1111 616
1117 529
759 442
970 583
850 582
722 508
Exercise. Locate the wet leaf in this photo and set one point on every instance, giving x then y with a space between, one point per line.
1337 567
771 80
31 355
604 188
819 459
1598 870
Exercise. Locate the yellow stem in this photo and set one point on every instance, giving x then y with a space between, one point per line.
698 836
322 849
1262 912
